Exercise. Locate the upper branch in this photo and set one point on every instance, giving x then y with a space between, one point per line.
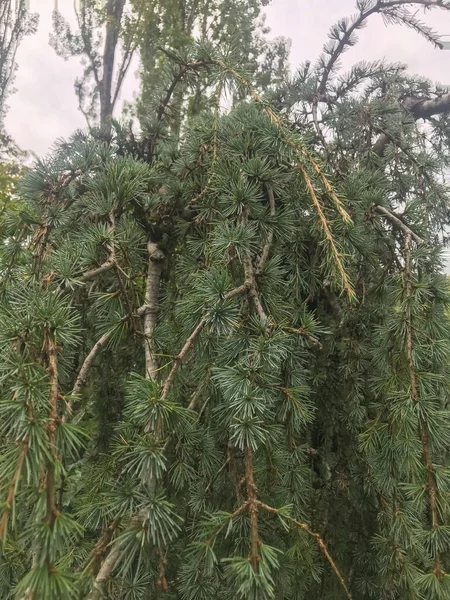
345 40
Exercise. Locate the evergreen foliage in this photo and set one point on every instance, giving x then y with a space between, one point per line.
224 354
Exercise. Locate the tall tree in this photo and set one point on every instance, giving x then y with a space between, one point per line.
176 25
15 23
224 352
107 38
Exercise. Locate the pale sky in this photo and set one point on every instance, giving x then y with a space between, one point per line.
45 108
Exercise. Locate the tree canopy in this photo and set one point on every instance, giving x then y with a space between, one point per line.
225 341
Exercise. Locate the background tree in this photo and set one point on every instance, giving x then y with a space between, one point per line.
107 39
177 25
224 350
15 23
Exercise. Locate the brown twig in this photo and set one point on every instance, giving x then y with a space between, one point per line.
266 250
51 351
305 334
13 487
252 508
318 540
190 340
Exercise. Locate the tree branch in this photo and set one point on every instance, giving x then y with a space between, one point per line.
179 358
50 348
398 223
415 396
358 22
87 364
318 539
266 250
419 109
93 273
111 560
150 309
12 488
252 508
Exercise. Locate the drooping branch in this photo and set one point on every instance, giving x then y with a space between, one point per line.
252 508
266 250
418 108
318 540
13 487
415 396
337 257
398 223
191 339
87 364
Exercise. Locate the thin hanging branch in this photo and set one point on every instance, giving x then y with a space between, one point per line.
13 487
191 339
88 361
318 540
345 281
415 396
266 250
253 505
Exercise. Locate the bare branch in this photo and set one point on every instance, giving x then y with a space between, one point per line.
87 364
398 223
93 273
266 250
318 539
12 488
179 358
150 309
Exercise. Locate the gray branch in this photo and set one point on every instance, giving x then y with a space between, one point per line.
150 309
398 223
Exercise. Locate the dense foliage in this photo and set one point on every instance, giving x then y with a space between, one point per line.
224 352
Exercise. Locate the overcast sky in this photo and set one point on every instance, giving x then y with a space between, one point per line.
45 108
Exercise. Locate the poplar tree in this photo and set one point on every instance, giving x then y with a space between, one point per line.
224 349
